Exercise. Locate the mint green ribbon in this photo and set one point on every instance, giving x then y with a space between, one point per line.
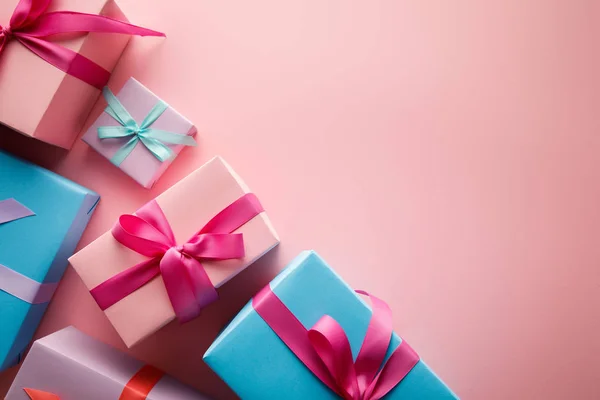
153 139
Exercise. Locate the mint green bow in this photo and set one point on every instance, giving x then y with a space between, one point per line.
153 139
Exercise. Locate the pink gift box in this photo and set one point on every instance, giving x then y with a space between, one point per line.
187 206
74 366
141 164
39 100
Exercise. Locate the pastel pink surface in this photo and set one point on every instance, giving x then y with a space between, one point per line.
141 164
188 206
39 100
442 155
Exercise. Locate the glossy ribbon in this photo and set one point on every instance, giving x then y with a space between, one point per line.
326 351
189 288
32 26
153 139
138 387
12 210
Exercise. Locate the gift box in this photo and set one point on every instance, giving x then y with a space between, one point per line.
139 133
49 82
73 366
310 309
42 217
144 275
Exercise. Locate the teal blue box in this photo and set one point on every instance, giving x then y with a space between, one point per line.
37 247
256 364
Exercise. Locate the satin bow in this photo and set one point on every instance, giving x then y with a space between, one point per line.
153 139
12 210
189 288
31 26
326 351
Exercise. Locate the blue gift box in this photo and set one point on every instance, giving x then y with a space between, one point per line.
38 246
256 364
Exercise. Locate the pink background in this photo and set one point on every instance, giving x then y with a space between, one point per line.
444 155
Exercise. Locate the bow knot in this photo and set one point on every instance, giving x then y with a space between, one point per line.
154 140
189 288
6 32
325 349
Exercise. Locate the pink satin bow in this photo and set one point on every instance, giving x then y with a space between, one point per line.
189 288
326 351
30 25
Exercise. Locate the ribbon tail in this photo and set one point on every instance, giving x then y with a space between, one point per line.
187 284
376 342
158 149
35 394
58 22
67 60
170 137
124 151
400 363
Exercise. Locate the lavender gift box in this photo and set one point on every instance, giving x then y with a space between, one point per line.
72 366
141 164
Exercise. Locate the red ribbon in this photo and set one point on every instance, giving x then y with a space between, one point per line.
30 25
35 394
325 350
189 288
138 387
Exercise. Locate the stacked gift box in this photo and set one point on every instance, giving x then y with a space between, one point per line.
306 335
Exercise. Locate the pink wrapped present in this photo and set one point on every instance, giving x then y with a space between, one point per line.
139 133
50 69
69 365
143 273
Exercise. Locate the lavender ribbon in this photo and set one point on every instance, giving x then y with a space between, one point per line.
11 210
25 288
12 282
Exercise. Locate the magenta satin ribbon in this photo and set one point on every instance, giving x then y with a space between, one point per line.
326 351
12 210
189 288
31 26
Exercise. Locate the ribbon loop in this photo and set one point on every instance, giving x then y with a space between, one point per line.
331 344
154 140
325 349
189 288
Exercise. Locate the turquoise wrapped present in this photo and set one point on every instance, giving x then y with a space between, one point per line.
42 218
311 309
